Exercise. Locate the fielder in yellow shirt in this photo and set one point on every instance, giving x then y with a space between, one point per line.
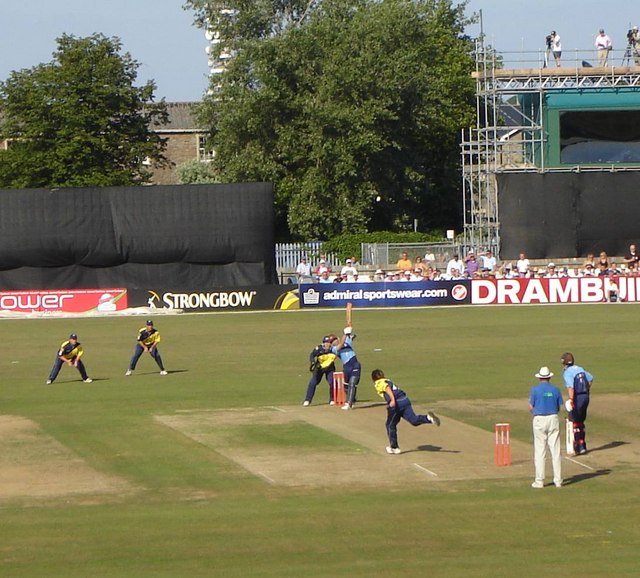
70 353
398 407
148 339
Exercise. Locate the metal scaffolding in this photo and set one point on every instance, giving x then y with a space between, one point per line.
509 135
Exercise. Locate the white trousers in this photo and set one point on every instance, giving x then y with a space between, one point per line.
546 434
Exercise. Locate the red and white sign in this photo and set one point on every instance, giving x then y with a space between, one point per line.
66 301
562 290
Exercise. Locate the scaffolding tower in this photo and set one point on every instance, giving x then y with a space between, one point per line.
510 135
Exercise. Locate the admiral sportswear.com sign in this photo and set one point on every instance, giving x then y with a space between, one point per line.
391 294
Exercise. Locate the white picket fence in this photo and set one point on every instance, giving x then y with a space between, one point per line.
288 255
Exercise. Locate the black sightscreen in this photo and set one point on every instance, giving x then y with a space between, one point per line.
568 214
135 237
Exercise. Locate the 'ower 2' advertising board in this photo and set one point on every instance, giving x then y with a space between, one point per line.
392 294
64 300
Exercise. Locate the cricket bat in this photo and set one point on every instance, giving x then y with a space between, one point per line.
349 314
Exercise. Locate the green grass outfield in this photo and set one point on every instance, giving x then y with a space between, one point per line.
196 513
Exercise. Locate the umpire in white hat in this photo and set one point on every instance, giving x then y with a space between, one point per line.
545 401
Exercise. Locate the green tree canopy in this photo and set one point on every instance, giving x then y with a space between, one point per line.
353 108
79 121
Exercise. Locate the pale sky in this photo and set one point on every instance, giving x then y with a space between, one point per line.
160 35
516 25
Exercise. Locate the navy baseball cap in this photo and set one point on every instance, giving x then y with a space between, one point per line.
73 336
149 322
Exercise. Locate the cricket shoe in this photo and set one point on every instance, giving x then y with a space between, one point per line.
49 382
433 418
346 406
128 372
88 380
391 450
305 402
332 402
537 485
164 372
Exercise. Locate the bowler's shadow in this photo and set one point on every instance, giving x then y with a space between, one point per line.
582 477
430 448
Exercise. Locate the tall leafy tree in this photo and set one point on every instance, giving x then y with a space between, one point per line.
79 120
353 108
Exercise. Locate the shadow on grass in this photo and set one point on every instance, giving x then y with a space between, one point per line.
365 403
583 477
609 446
169 372
430 448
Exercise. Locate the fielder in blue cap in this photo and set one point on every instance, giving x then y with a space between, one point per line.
70 353
148 339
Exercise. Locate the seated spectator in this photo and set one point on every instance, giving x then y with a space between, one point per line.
455 275
551 271
322 267
611 291
631 258
338 278
614 269
378 275
522 265
489 262
471 264
418 274
303 271
574 272
602 270
436 275
404 263
348 271
454 263
420 265
429 258
589 270
589 261
603 259
406 276
324 277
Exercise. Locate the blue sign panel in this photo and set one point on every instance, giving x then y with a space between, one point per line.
386 294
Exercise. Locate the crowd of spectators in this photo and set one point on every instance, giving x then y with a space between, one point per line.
472 266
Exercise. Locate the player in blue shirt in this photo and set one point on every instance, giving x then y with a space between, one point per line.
545 401
578 382
351 367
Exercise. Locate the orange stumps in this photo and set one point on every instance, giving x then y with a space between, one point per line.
338 394
503 444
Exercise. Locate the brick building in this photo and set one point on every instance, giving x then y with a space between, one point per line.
185 142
